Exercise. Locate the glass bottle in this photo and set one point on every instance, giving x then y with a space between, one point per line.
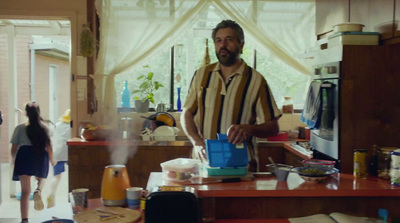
360 163
287 106
178 104
373 162
125 96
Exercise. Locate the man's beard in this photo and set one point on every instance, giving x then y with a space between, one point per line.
228 59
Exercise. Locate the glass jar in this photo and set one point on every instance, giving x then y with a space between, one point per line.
360 163
287 106
384 160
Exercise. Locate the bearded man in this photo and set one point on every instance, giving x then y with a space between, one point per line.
229 97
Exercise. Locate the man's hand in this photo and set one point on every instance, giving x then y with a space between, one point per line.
200 152
238 133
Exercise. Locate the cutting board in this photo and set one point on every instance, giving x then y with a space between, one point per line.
94 216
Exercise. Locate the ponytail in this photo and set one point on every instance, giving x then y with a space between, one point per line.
36 131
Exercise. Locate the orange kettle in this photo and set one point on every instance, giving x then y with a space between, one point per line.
114 184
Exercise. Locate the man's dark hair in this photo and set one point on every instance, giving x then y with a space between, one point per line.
229 24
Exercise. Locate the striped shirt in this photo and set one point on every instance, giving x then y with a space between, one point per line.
244 98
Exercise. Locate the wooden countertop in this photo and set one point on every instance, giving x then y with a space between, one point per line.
287 146
81 142
76 141
337 185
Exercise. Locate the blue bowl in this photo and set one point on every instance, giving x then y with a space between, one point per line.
59 220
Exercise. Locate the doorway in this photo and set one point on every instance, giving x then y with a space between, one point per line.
35 64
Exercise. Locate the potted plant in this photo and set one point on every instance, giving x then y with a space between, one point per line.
146 92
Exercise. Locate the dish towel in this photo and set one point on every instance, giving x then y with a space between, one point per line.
311 114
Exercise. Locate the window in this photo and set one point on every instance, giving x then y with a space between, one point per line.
283 80
172 41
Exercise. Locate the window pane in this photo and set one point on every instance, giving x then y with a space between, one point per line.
283 80
160 66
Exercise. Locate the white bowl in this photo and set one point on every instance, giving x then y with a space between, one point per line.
348 27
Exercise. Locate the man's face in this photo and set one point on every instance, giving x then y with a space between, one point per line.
227 46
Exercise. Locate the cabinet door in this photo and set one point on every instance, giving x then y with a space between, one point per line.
381 17
292 159
330 13
396 18
376 15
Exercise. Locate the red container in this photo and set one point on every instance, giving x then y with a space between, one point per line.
315 163
282 136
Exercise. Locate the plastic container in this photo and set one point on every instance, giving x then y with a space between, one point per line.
282 136
226 158
317 163
395 167
180 169
353 38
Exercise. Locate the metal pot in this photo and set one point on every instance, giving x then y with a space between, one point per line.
161 107
114 184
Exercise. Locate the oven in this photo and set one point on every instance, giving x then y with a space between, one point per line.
324 140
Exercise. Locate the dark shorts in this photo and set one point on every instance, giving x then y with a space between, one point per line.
59 167
29 162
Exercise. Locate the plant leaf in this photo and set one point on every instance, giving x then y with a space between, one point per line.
150 76
152 100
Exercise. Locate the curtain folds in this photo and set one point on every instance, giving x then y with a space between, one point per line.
132 31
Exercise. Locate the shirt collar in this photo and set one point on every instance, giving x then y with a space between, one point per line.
240 71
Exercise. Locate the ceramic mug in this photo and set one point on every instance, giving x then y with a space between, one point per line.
133 195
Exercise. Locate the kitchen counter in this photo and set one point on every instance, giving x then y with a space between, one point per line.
87 159
264 198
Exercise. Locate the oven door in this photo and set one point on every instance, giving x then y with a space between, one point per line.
325 139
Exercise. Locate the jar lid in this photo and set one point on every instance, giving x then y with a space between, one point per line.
388 149
396 152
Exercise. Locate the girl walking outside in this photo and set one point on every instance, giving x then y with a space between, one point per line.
31 151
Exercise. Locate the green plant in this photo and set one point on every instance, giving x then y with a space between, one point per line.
147 87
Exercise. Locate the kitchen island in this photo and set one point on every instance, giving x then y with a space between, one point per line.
267 198
87 159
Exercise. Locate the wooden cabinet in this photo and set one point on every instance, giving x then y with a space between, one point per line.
87 163
396 26
292 159
376 15
329 13
273 150
369 104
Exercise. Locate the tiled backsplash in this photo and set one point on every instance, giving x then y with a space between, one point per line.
286 122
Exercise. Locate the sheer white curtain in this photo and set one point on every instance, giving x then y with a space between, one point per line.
133 30
283 28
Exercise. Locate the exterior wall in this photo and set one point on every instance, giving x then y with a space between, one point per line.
42 84
4 145
42 64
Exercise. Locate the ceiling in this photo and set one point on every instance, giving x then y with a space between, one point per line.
49 37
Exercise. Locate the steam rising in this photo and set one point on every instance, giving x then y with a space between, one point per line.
121 151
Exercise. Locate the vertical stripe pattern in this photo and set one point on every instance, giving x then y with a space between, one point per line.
216 104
